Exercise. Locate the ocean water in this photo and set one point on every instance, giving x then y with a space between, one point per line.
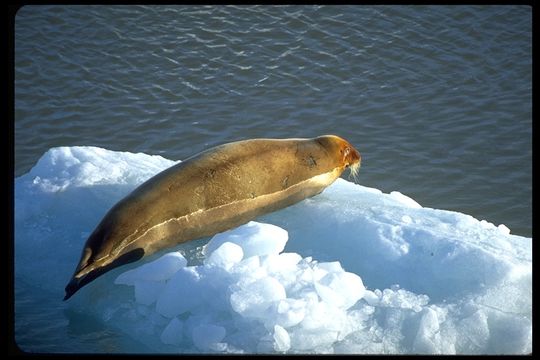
437 99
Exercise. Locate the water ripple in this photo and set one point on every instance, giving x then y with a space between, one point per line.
438 99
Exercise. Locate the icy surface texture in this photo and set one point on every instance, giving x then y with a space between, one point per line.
352 270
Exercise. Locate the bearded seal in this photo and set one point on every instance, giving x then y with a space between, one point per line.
211 192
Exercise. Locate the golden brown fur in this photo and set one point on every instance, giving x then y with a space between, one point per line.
211 192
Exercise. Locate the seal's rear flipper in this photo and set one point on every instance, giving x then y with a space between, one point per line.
78 282
71 288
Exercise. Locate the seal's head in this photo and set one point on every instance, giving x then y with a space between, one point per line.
346 155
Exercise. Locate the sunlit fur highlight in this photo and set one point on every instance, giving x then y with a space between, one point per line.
355 168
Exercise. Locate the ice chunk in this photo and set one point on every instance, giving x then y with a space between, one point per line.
252 299
281 263
322 317
371 297
147 292
208 336
288 312
254 238
317 339
509 334
182 293
79 166
333 266
343 289
282 339
172 334
225 256
504 229
404 299
247 266
282 267
473 333
160 269
428 335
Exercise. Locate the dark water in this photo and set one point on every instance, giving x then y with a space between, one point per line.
437 99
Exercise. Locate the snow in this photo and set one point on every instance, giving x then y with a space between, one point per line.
352 270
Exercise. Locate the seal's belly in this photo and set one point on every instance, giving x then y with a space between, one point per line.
207 222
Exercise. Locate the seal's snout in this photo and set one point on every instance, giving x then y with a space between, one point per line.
350 157
353 160
353 157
